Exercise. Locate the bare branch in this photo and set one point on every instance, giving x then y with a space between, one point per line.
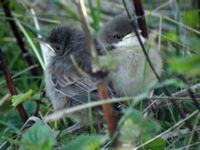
11 86
85 26
107 109
141 17
60 114
103 94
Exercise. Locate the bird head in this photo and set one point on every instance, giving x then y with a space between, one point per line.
115 30
118 32
59 38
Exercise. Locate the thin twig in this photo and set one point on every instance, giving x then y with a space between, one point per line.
3 100
143 47
141 17
103 94
60 114
86 29
11 86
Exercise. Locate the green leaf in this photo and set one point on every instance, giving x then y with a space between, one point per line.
85 142
171 35
191 18
193 42
189 65
133 125
157 144
38 137
20 98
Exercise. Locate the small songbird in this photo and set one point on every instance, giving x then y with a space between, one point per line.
133 74
65 85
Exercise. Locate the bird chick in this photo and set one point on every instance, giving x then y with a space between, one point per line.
65 86
132 73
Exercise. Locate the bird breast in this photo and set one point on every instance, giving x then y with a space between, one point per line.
131 78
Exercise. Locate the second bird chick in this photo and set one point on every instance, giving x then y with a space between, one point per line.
133 73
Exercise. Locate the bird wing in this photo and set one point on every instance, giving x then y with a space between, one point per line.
80 89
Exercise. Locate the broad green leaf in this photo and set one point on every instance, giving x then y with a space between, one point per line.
20 98
189 65
133 125
171 35
193 42
191 18
38 137
85 142
157 144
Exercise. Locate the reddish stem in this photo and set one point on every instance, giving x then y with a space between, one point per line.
141 18
107 109
11 86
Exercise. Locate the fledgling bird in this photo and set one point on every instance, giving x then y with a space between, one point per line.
130 76
65 85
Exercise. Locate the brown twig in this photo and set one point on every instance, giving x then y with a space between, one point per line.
103 94
85 26
141 17
18 36
108 110
132 21
11 86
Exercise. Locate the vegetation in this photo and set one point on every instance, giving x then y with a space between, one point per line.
148 122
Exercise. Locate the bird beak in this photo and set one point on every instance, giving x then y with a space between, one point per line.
44 43
130 35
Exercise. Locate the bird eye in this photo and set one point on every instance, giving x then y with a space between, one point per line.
57 48
117 36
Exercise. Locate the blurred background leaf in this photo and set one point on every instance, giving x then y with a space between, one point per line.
85 142
189 65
